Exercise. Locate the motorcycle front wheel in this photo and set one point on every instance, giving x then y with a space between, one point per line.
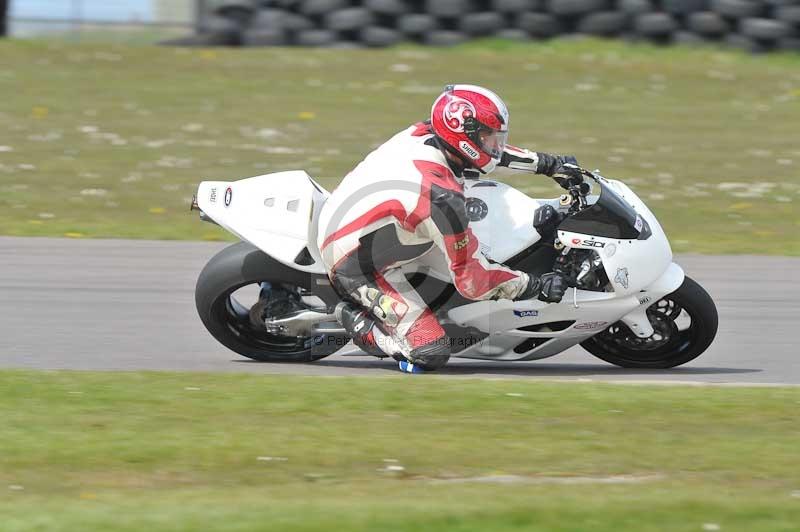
685 323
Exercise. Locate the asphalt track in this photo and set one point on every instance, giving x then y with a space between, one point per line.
129 305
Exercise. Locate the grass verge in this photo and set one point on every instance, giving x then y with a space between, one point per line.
171 451
111 140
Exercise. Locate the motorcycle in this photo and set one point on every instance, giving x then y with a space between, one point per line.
628 302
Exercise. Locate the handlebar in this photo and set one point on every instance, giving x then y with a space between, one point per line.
580 189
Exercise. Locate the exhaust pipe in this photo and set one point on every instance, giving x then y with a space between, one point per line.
203 216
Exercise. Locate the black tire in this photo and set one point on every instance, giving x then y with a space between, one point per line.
316 38
515 6
683 7
737 8
569 8
352 18
387 7
635 7
789 14
604 23
321 7
238 10
708 23
295 22
213 24
240 265
264 37
375 36
444 38
511 34
764 29
742 42
449 8
271 19
619 346
655 24
417 24
539 25
688 38
481 23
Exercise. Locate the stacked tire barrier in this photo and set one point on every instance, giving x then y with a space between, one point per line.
754 25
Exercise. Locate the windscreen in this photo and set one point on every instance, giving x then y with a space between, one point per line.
610 217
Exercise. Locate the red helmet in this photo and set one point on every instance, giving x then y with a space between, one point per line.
473 123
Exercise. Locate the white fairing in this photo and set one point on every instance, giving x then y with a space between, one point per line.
591 312
273 212
507 227
631 265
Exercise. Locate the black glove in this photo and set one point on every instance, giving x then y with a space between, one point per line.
550 164
550 288
568 175
569 159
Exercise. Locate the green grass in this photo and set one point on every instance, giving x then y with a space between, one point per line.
111 140
180 451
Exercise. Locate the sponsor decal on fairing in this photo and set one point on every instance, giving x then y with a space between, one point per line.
590 325
589 242
228 196
526 313
622 277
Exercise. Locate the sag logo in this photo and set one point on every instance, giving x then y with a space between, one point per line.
461 244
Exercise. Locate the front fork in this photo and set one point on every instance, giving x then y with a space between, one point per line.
637 320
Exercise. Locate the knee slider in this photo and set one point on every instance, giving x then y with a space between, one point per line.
432 356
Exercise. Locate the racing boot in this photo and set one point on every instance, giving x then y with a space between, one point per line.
429 357
358 324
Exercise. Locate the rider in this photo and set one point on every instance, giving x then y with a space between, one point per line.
406 198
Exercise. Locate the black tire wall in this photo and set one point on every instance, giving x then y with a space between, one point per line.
755 25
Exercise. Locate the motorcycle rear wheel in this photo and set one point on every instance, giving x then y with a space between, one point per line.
233 324
673 343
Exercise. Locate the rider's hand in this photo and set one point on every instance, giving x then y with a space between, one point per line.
569 159
550 288
568 175
554 285
550 164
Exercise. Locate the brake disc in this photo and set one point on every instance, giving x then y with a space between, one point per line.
278 303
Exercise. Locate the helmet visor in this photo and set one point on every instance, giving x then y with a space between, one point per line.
492 141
